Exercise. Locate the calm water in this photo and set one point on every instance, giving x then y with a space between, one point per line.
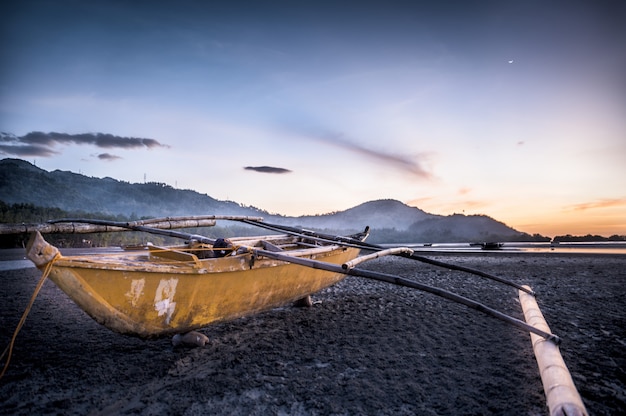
515 247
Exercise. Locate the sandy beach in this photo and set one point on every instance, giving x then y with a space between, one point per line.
365 347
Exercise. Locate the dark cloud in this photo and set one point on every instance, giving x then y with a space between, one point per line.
267 169
27 150
97 139
108 157
41 144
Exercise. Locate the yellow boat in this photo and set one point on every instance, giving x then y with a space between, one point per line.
156 291
152 291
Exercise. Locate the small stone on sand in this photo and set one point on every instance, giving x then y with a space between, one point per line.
190 339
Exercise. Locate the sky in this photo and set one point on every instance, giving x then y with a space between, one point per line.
511 109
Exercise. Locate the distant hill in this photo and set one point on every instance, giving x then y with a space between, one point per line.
390 220
21 182
385 213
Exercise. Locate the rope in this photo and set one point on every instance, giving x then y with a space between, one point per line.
9 348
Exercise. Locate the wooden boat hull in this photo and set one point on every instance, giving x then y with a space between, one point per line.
147 297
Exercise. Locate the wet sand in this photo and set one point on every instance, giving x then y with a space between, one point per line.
365 347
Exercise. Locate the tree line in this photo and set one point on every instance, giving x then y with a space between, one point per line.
587 238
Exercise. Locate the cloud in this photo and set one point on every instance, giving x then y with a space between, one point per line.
108 157
417 202
267 169
447 206
599 204
97 139
41 144
412 164
27 150
415 165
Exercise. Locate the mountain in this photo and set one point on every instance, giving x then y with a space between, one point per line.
385 213
390 220
21 182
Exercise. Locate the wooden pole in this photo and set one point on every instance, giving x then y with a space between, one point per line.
83 225
561 394
81 228
375 255
400 281
351 242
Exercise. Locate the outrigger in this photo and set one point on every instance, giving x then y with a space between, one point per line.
150 291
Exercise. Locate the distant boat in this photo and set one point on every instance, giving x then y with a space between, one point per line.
491 245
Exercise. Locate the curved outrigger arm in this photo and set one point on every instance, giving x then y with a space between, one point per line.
400 281
352 242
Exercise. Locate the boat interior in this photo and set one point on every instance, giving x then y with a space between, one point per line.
194 251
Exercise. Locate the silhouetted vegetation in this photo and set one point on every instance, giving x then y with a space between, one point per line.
587 238
22 182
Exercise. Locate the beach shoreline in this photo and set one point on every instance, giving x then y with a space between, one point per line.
365 347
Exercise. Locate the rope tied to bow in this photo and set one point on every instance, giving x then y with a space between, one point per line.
8 351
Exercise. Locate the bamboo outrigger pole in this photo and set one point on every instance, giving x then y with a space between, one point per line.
561 394
84 226
400 281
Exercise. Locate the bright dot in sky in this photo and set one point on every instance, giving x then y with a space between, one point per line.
511 61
